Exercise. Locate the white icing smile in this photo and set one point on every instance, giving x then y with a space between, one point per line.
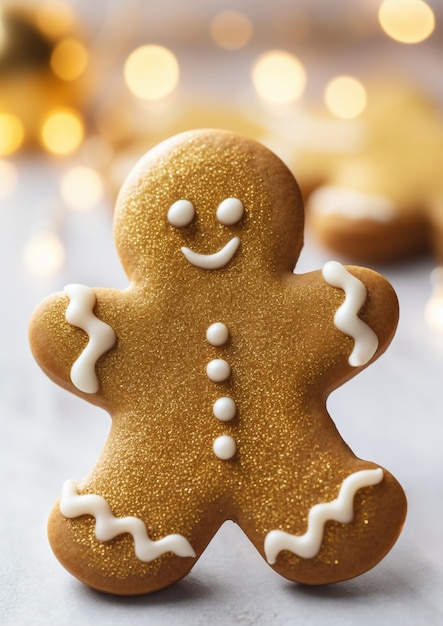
212 261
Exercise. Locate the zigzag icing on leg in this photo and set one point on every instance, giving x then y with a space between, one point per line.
339 510
346 318
107 526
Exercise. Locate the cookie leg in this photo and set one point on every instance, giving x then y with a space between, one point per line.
344 537
115 554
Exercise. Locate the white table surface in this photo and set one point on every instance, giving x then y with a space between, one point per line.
391 414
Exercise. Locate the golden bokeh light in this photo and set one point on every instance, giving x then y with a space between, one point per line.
54 17
69 59
278 77
2 30
81 188
44 254
231 30
345 97
62 131
151 72
406 21
8 178
11 133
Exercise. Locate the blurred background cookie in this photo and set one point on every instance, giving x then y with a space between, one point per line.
379 201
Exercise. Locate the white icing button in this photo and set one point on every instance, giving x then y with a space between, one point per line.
224 409
230 211
218 370
217 334
224 447
181 213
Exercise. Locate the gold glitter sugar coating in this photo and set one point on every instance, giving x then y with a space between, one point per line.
285 355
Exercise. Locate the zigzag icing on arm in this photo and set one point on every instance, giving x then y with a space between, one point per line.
101 336
339 510
346 318
107 526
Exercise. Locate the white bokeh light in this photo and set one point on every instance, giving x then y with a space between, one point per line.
43 254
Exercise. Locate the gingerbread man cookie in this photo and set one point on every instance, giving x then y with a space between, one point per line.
372 185
383 199
215 365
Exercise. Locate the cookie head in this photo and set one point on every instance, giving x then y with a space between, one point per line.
202 200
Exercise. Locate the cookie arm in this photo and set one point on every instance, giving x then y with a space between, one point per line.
368 314
351 320
380 310
67 339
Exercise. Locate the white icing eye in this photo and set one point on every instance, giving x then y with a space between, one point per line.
181 213
230 211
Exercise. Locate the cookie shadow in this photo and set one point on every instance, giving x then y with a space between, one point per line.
384 581
187 590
